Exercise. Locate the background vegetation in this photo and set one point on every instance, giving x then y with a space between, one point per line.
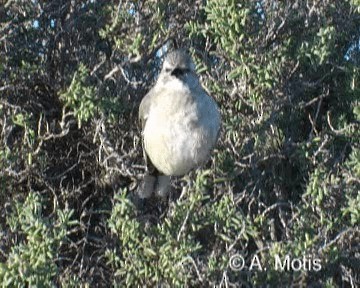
284 179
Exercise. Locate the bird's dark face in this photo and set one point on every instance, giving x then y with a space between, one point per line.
178 72
178 64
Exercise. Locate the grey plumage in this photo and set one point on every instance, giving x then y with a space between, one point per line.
180 124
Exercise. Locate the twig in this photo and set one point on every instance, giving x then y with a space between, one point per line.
195 266
340 235
274 206
326 140
182 228
238 237
337 132
63 173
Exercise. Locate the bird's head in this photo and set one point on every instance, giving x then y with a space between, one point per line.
178 64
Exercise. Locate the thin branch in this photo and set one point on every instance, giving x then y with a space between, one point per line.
337 238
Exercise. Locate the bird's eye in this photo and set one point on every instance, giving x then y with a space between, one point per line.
177 72
167 70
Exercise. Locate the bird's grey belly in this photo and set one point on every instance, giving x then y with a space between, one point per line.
176 147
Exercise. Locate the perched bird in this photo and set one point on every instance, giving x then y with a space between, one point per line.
180 124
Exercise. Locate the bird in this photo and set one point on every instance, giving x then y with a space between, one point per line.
180 124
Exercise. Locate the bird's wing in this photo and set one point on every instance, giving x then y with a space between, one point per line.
144 110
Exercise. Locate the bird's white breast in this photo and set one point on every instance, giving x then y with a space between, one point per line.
181 130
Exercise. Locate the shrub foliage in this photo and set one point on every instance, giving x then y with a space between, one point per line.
283 182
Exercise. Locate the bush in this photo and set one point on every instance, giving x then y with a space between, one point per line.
282 186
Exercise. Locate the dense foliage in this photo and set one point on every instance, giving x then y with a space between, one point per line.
284 180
